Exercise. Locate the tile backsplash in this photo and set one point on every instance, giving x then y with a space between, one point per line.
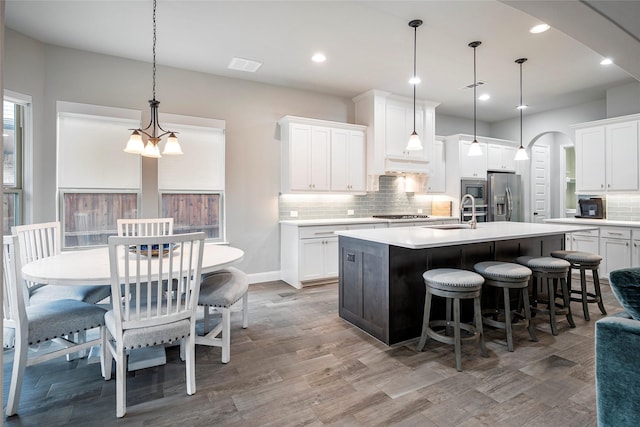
623 207
390 199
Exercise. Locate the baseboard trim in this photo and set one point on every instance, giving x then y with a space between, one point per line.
267 276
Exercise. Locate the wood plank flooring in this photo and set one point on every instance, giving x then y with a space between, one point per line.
299 364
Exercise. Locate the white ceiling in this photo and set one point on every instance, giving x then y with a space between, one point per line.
368 44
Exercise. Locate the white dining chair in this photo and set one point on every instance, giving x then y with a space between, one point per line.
43 240
37 324
221 290
145 226
142 320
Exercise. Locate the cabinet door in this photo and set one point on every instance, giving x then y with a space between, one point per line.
437 178
300 157
399 126
347 160
494 157
635 253
616 254
585 244
320 158
622 156
331 257
509 158
473 166
590 159
312 259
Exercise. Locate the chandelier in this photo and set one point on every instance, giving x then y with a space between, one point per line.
154 132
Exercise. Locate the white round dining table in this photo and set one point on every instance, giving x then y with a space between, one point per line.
91 266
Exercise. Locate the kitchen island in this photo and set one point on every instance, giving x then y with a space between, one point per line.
381 290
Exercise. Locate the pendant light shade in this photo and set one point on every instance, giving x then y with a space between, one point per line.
414 143
521 154
155 131
474 148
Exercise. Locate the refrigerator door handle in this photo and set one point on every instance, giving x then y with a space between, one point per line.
509 204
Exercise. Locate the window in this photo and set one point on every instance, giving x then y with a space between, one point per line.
15 131
98 182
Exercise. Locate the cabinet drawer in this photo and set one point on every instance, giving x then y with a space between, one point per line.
615 232
320 231
589 233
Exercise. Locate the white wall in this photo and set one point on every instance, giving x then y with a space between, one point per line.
623 100
251 110
450 125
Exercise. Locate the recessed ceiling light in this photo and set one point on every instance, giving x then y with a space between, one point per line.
540 28
319 57
606 61
521 107
414 80
241 64
484 97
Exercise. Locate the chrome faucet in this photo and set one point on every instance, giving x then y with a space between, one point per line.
473 223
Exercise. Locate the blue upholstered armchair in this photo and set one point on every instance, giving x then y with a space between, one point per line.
618 355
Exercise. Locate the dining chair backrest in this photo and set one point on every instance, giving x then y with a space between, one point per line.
37 241
145 226
173 275
13 296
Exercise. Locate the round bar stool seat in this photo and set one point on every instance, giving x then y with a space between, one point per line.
453 285
583 261
552 271
507 276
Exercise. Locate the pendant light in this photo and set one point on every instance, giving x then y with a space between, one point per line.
474 148
135 144
414 143
521 154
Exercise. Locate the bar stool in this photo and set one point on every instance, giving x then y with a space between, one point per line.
583 261
550 270
507 276
453 285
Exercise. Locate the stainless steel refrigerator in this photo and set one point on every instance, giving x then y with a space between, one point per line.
504 196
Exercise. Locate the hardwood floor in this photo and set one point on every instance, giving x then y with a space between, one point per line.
298 363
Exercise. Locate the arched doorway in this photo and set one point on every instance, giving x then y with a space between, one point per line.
549 178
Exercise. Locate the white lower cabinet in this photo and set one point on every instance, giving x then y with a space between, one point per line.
615 247
635 249
585 241
309 253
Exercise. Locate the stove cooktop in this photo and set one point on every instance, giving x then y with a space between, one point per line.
401 216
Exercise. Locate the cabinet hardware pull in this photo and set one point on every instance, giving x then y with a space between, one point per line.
321 233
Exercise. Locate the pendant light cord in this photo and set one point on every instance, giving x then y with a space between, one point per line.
154 49
475 85
415 33
521 105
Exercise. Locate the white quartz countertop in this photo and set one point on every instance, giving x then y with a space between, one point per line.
366 220
426 237
596 222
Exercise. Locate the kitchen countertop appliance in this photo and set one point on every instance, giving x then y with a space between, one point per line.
592 207
504 197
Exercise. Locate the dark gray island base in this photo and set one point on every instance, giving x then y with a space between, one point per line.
381 290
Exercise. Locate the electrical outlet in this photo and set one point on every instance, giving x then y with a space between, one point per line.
293 214
349 211
419 211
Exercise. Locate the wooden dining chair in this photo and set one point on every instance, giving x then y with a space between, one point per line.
43 240
145 226
142 320
37 324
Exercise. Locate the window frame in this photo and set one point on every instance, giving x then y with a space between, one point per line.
222 238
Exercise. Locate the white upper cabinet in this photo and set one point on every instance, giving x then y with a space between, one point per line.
389 120
436 181
347 160
501 158
607 155
472 166
322 156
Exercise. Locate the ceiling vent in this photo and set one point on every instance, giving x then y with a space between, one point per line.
241 64
470 85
